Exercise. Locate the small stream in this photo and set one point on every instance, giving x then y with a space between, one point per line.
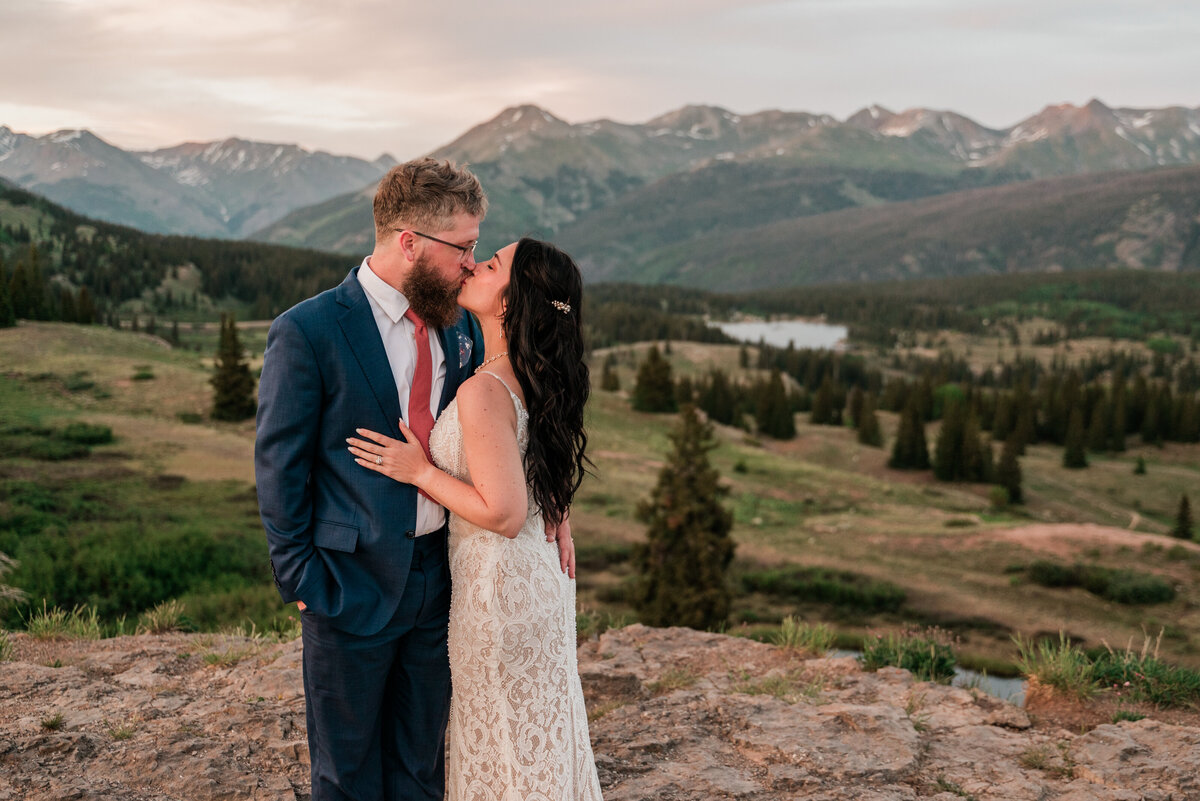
1007 689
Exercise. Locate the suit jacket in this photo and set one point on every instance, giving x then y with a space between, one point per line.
340 536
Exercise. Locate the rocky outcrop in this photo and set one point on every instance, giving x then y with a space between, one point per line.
676 714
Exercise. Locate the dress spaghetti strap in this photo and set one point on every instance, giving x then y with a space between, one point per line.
516 398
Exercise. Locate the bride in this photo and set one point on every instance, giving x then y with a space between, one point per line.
510 449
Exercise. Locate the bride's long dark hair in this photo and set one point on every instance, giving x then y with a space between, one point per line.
544 330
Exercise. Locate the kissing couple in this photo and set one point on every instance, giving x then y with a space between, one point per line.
428 556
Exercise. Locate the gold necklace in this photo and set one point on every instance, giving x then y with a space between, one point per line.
486 362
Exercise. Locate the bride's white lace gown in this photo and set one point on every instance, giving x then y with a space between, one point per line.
518 726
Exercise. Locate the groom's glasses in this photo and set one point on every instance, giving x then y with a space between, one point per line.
465 251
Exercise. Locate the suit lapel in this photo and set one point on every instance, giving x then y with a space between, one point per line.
454 372
362 336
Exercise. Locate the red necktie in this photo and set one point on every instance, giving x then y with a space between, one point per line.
420 418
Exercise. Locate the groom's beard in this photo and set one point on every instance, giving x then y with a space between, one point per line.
432 297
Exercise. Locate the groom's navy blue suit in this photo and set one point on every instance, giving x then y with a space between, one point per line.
341 539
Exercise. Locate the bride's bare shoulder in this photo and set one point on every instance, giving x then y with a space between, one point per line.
483 397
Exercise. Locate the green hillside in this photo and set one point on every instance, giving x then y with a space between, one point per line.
176 275
727 197
1145 220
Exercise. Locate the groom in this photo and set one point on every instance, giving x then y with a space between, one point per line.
365 556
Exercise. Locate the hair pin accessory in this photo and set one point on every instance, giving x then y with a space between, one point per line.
565 308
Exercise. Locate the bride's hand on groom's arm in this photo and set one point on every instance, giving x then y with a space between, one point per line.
561 534
403 461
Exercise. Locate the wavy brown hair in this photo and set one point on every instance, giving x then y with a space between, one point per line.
545 347
426 193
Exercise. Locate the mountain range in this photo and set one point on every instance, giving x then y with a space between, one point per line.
222 189
1143 220
703 196
548 177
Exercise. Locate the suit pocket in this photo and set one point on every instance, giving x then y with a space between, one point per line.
335 536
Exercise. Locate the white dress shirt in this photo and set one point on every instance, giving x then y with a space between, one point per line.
397 332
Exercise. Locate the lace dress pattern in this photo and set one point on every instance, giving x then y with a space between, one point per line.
518 725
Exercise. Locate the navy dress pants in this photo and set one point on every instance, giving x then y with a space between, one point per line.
378 705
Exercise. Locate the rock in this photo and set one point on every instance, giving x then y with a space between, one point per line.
676 714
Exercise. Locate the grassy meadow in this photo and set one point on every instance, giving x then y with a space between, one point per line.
825 531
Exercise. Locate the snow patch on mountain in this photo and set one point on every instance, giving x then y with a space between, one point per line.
64 137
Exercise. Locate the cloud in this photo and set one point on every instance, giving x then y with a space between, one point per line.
365 76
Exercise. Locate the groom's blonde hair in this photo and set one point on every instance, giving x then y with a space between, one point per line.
426 194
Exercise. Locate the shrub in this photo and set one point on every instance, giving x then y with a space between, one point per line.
87 434
998 498
1060 665
812 638
57 450
81 623
927 656
826 586
1052 574
6 647
1144 677
164 617
1128 587
598 556
1119 586
78 382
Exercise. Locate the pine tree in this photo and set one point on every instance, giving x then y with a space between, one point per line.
1188 427
19 292
8 317
774 411
1003 420
233 386
1008 472
38 307
609 380
948 462
978 463
654 390
1026 429
910 451
1119 421
717 398
822 409
869 432
685 392
1183 520
1099 435
682 565
854 407
1074 452
85 307
66 306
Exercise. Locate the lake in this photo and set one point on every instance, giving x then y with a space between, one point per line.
801 333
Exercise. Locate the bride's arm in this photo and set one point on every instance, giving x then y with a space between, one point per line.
498 500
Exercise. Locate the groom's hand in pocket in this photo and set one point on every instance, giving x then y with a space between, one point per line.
301 605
